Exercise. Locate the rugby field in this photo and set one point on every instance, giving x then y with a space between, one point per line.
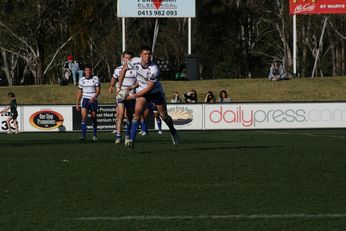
215 180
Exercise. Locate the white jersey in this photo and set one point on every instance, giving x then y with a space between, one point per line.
88 86
145 75
129 79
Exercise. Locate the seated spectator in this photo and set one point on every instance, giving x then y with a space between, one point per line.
210 98
190 97
224 98
277 71
176 98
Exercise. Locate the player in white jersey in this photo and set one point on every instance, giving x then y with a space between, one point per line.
125 107
148 89
88 90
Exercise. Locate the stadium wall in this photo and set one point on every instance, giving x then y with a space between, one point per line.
65 118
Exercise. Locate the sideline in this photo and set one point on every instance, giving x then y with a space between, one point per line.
207 217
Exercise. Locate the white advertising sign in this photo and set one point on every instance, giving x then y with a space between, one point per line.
275 116
185 116
157 8
47 118
3 123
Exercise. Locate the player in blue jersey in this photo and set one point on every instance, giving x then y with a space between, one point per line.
89 88
12 106
148 88
125 107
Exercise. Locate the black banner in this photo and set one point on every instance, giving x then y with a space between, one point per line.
106 119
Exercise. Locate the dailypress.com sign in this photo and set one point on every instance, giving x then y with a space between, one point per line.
317 7
275 116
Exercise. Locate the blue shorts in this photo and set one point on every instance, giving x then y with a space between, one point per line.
152 106
156 98
90 106
129 104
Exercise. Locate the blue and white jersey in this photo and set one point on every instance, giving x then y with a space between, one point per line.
145 75
129 79
88 86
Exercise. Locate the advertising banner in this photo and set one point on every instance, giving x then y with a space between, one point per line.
48 118
185 116
317 7
275 116
3 118
156 8
106 119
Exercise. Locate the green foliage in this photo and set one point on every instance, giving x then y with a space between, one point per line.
234 39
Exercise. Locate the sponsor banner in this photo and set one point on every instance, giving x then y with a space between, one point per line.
275 116
157 8
3 118
48 118
185 116
317 7
106 119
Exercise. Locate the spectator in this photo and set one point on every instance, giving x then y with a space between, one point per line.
176 98
72 66
277 71
223 97
191 96
181 73
12 116
210 98
81 68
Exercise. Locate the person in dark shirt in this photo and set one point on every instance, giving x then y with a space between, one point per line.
12 116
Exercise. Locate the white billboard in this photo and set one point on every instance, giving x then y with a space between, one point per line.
157 8
47 118
3 123
185 116
275 116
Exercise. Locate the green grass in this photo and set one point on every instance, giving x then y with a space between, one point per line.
47 180
241 90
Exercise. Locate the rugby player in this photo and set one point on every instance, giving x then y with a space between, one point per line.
148 89
89 88
125 107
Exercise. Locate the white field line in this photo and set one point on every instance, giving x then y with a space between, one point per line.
215 217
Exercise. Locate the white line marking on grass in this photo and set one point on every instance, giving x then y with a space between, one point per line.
211 217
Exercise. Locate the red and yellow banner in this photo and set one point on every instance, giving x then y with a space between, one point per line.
317 6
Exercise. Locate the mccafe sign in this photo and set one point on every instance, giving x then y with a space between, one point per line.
317 7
